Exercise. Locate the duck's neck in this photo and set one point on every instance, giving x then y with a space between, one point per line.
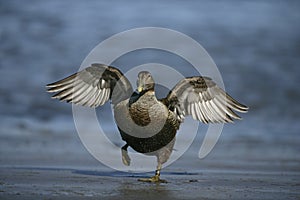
142 96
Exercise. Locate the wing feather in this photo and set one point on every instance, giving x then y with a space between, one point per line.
92 86
201 98
193 111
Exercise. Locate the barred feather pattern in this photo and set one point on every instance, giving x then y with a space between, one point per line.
201 98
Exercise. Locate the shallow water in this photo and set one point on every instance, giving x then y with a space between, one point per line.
255 45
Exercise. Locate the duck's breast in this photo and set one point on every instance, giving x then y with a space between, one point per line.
145 130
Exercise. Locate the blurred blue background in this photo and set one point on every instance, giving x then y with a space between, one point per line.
255 44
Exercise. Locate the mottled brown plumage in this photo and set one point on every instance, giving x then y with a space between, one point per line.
146 124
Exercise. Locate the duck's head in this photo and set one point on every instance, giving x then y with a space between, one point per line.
145 82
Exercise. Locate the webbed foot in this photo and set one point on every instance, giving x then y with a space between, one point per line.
153 179
125 158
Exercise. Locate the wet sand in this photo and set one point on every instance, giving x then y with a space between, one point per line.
58 183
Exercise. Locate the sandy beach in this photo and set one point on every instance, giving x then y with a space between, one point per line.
55 183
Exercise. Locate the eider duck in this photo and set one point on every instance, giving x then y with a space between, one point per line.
147 124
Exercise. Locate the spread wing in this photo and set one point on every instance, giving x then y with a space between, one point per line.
204 100
93 86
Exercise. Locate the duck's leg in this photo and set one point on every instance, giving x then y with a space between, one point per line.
162 155
125 158
156 177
